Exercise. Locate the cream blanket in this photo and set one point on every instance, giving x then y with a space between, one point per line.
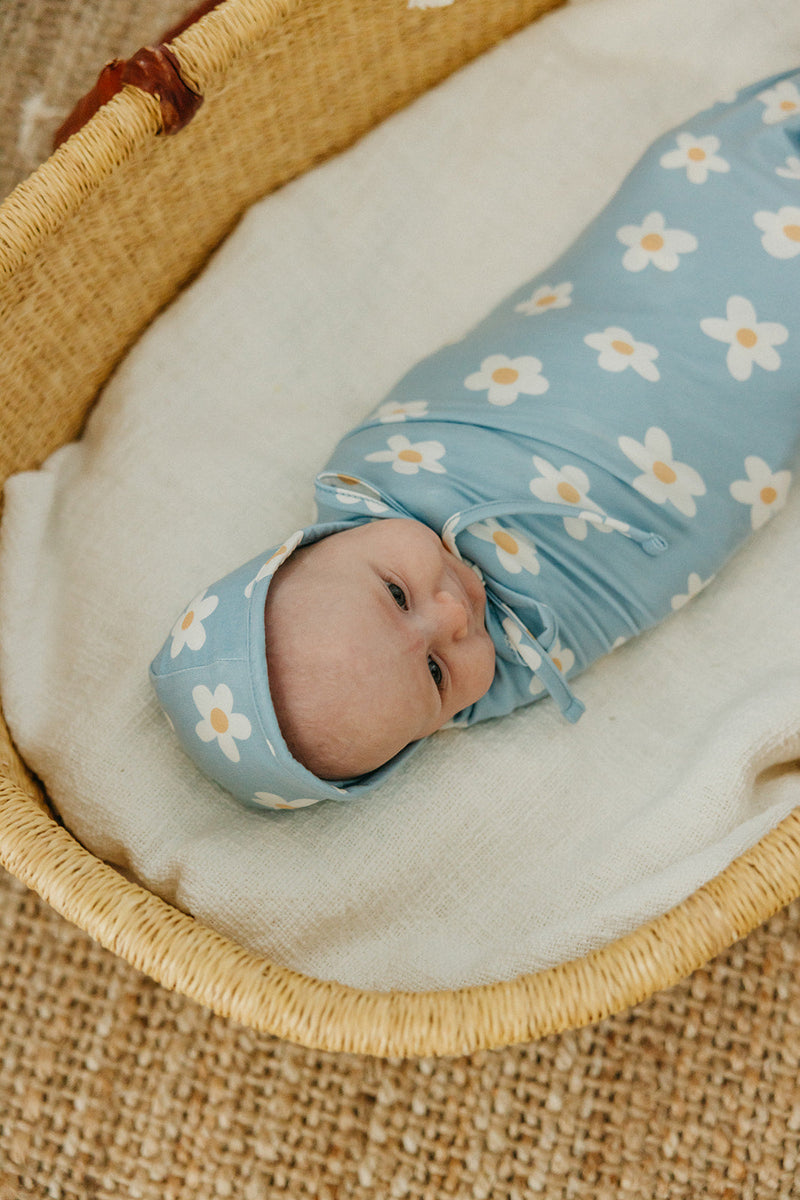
502 849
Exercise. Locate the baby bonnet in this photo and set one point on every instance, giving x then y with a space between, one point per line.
212 681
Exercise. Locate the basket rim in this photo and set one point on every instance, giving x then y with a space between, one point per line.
184 955
43 202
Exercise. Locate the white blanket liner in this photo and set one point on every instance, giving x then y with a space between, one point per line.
503 849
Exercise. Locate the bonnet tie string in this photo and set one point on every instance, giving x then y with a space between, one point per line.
530 649
651 543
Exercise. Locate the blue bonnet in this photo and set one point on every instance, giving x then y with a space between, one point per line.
212 680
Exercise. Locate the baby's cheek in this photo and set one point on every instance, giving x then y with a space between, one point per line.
482 668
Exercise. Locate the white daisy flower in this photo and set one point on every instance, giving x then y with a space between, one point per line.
408 458
764 490
619 349
562 656
188 630
401 412
792 168
694 584
781 231
749 341
219 720
546 297
503 378
529 655
514 553
697 156
652 242
567 485
780 102
373 506
664 479
354 491
274 561
728 96
270 800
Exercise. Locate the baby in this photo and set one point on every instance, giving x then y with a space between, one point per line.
527 499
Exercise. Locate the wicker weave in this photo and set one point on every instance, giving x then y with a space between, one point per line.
113 1088
91 246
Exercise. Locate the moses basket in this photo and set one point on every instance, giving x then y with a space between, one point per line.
99 239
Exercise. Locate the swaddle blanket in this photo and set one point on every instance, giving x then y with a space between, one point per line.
521 462
645 386
521 842
642 387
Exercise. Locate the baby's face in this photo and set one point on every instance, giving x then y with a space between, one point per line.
375 638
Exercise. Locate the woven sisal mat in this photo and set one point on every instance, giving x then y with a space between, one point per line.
111 1087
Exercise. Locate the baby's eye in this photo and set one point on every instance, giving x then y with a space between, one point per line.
398 595
436 671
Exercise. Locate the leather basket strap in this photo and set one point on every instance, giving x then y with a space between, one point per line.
152 69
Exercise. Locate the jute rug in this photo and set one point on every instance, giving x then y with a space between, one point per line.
111 1087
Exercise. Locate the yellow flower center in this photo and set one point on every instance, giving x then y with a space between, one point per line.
696 154
410 456
219 721
792 232
788 105
652 242
557 662
543 301
187 620
346 479
505 375
768 495
664 472
505 541
746 338
622 347
568 493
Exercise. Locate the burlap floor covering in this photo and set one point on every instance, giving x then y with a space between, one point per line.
112 1087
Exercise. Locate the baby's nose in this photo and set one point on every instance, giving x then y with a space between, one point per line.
452 615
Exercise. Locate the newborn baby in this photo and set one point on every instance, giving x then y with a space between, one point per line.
525 500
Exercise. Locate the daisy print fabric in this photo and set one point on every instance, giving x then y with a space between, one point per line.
515 553
409 458
619 350
218 720
189 630
644 387
546 297
780 101
697 156
651 243
211 677
503 378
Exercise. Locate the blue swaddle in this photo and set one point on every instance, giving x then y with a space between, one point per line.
597 446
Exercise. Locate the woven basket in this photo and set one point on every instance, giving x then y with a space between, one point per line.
91 247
